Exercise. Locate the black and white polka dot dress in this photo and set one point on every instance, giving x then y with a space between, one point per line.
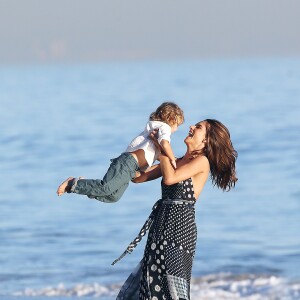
164 273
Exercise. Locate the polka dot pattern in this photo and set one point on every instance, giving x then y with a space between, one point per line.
165 270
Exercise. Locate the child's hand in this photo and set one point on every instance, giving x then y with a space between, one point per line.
173 163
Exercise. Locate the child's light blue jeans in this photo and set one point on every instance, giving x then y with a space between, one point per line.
113 185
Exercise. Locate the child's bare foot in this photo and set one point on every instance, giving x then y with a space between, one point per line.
65 186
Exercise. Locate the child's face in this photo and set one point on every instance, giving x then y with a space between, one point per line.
174 127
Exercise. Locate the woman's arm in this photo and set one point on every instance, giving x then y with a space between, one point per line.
152 173
184 171
167 149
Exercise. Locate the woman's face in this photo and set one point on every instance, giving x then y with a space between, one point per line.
196 136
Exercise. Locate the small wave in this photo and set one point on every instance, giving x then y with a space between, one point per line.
210 287
246 287
79 290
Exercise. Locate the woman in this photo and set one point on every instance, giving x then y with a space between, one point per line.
165 270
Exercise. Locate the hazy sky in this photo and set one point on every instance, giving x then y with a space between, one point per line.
95 30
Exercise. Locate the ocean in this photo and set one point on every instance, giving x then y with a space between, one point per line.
69 120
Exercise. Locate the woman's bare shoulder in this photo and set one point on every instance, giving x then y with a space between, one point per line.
200 162
202 159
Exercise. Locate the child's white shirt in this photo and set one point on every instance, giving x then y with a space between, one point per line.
142 141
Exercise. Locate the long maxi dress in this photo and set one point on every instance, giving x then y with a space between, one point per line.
164 273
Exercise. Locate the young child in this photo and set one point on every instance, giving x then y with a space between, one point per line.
139 155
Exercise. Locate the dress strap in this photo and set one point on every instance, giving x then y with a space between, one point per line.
142 232
149 222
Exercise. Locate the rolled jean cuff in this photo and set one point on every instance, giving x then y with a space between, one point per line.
74 184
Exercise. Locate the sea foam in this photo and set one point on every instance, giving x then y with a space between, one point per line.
209 287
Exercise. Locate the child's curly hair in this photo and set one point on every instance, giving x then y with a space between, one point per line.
168 112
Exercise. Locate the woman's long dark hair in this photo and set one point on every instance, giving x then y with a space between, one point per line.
220 154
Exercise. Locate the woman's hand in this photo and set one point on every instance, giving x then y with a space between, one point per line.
153 136
151 173
137 175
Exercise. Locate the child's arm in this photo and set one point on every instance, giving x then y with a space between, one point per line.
167 149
